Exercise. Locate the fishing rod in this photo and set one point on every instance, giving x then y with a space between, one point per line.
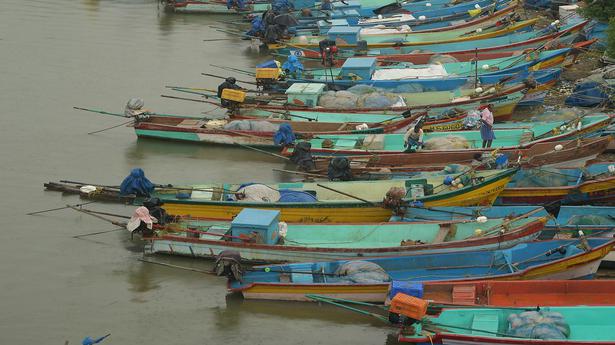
232 69
145 113
97 216
221 77
262 151
60 208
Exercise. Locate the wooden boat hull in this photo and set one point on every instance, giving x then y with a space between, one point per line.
580 266
211 7
524 293
176 129
208 248
574 155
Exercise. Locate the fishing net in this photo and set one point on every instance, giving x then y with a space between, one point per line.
442 59
338 99
258 193
538 325
362 272
451 142
247 125
591 219
563 114
541 177
362 89
377 100
454 169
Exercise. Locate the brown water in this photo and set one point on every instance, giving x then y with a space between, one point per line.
56 54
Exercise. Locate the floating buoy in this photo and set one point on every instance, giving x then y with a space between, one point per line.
559 147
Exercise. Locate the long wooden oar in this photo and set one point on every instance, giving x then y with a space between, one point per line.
176 266
346 194
59 208
98 233
116 126
97 216
262 151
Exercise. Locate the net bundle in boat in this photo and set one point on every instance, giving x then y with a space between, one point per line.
451 142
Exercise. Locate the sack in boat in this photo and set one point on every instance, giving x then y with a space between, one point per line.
362 272
538 325
451 142
338 99
258 193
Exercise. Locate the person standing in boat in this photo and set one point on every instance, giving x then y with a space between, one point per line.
413 138
486 125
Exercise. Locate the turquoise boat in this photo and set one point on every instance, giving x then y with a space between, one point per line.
457 140
257 236
578 325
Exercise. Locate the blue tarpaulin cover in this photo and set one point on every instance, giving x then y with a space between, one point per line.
136 183
284 136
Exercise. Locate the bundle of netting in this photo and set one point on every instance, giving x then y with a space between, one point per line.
251 125
563 114
378 100
442 59
538 325
338 99
362 272
542 177
450 142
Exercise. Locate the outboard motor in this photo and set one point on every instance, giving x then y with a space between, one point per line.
134 108
154 205
302 156
228 264
339 169
328 49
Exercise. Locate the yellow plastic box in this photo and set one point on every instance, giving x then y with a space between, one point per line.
234 95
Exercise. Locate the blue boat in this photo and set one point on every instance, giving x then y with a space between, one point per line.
369 279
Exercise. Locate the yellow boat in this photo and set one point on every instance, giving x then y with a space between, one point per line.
334 202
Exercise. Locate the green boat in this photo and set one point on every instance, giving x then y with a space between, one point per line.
510 326
257 236
509 138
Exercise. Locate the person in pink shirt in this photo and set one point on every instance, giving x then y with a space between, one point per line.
486 125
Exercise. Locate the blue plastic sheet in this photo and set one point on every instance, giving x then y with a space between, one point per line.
284 136
136 183
588 94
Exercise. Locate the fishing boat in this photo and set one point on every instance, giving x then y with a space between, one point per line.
573 153
347 38
257 236
258 132
326 202
523 293
211 6
592 184
579 325
506 139
503 98
339 279
565 36
433 77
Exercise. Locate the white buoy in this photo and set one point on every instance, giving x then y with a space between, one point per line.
481 219
556 22
611 168
479 30
380 16
581 233
422 17
559 147
478 90
477 6
485 67
428 4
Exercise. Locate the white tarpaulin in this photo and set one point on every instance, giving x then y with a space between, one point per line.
385 20
433 71
383 30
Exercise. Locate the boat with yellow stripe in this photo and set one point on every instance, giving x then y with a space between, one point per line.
555 259
345 41
333 202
